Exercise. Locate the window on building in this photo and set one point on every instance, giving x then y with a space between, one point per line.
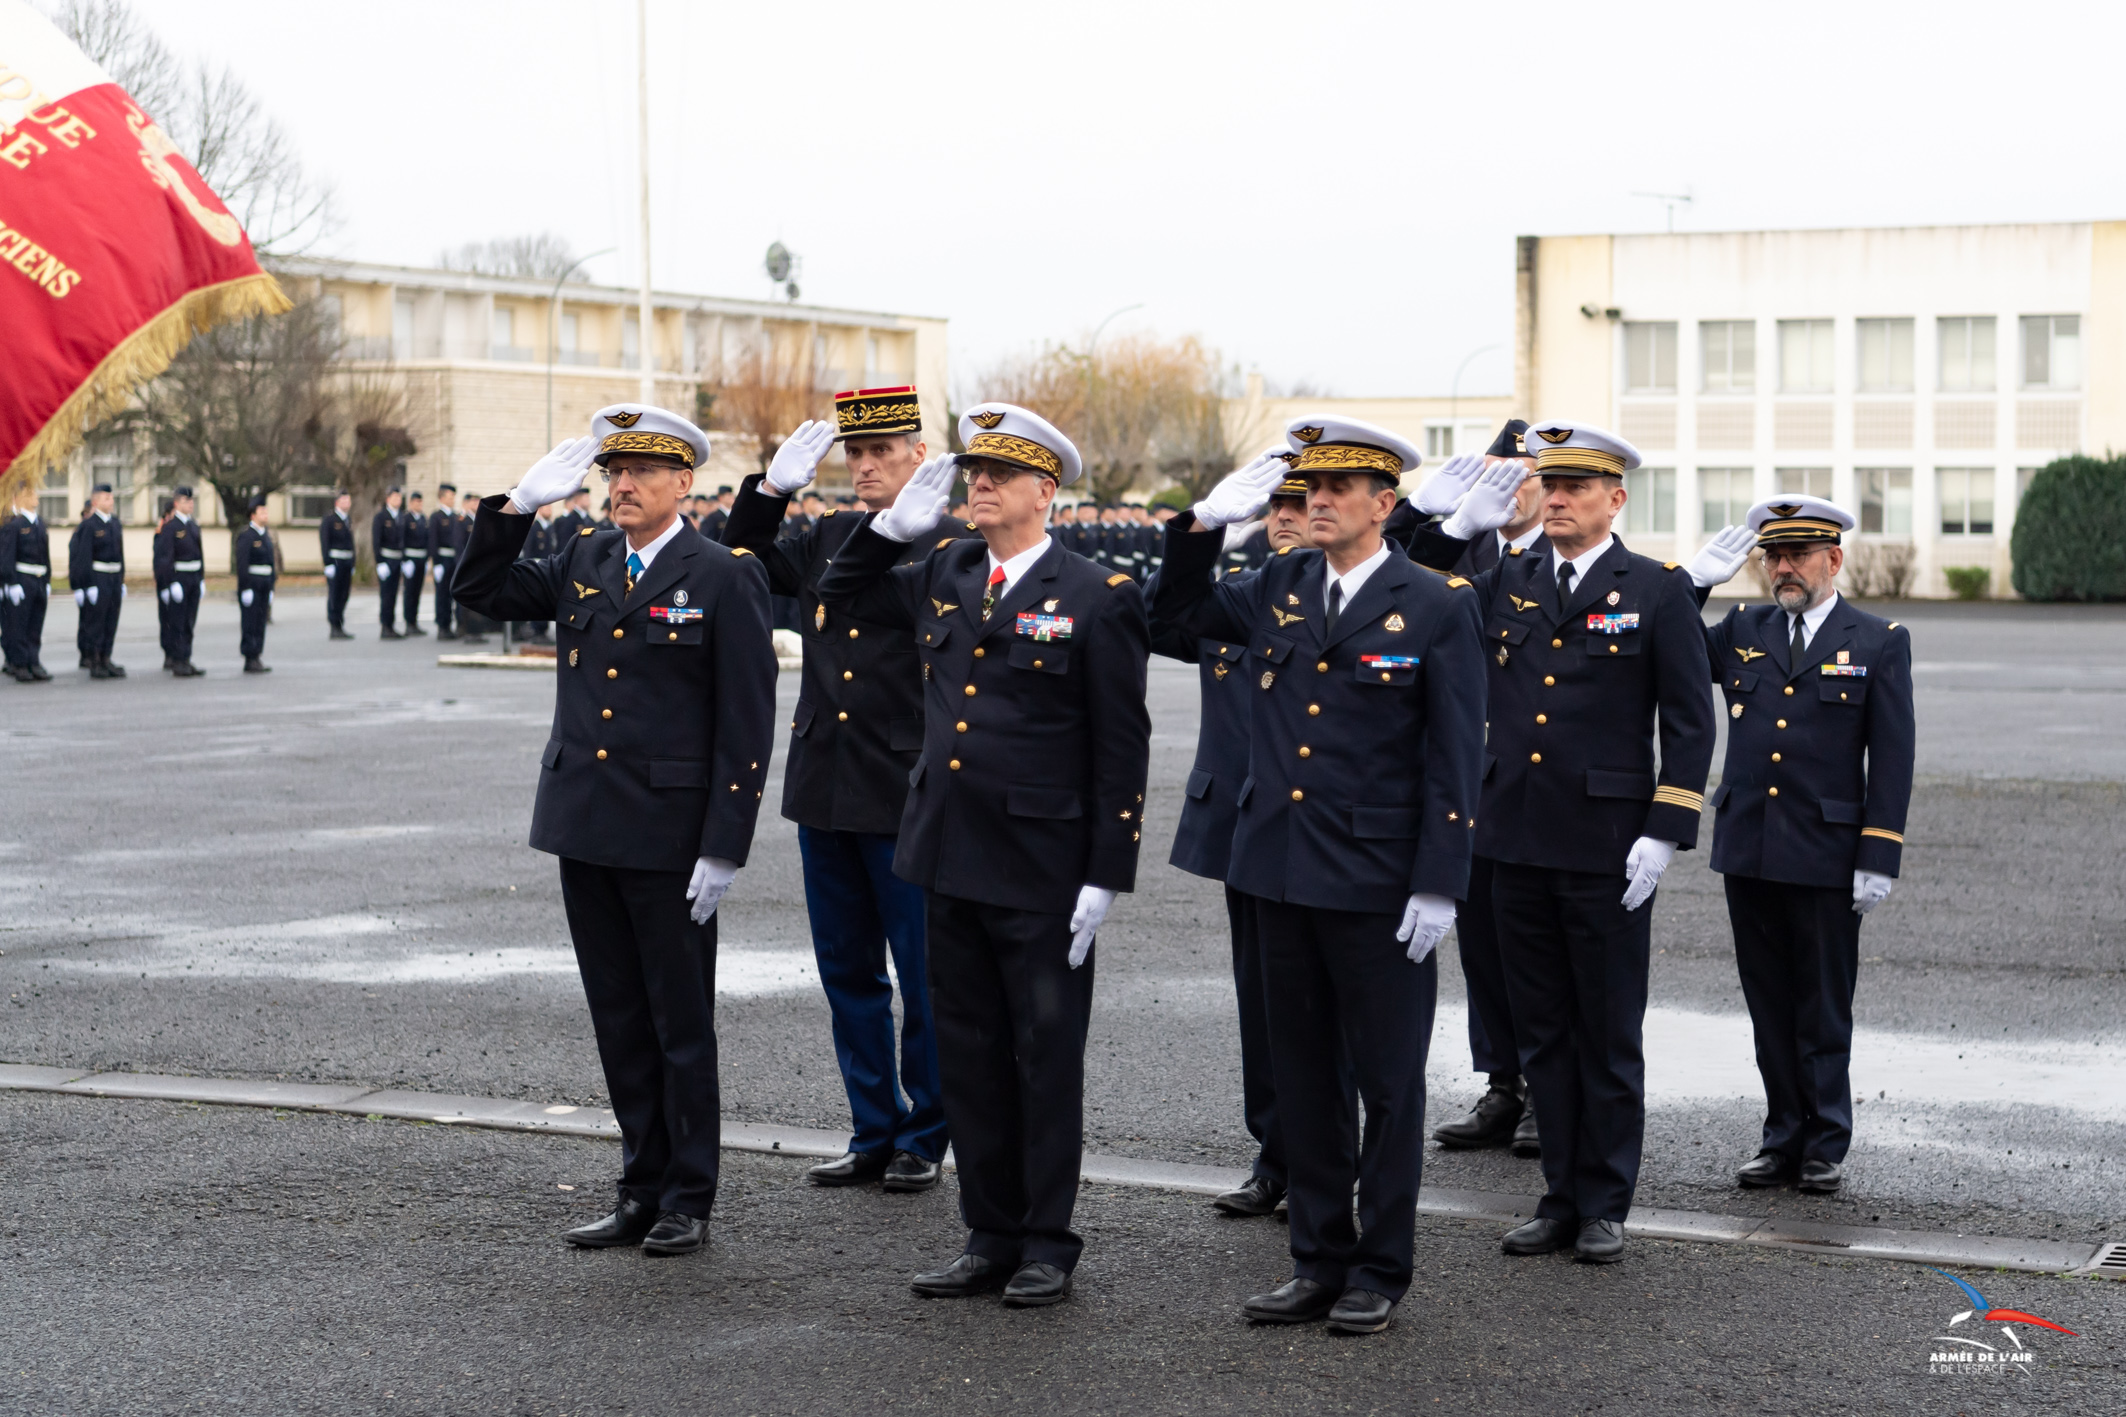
112 462
1650 500
870 356
1439 440
1729 348
567 334
1885 500
2052 351
1649 356
309 504
1725 495
504 335
1885 356
402 327
630 343
1808 481
1805 357
1966 353
54 499
1966 500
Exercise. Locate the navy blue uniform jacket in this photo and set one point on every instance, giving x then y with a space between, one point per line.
1203 842
664 700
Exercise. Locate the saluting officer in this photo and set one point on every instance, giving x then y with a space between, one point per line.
1589 642
180 573
256 575
25 590
444 540
1365 745
1810 820
1022 821
387 542
413 568
96 571
335 546
664 703
854 738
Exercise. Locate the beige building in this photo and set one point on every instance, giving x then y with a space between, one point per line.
1916 376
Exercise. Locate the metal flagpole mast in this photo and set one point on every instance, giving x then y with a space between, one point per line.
645 341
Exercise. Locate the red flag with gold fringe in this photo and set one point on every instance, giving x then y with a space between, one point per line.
113 252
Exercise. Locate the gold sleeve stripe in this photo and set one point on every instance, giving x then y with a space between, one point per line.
1885 833
1679 797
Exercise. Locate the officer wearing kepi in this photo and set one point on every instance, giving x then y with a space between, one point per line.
1365 744
854 738
443 543
1023 818
335 546
1810 816
180 573
664 705
96 571
1589 643
387 542
256 575
413 569
25 591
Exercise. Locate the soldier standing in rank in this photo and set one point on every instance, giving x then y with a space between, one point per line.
444 541
96 571
1810 816
664 706
538 546
387 542
413 568
854 738
1590 644
1023 819
256 575
180 574
1365 749
335 546
25 590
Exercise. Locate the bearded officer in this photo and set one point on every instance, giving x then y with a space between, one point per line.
854 738
1590 643
1810 816
1022 821
96 571
335 547
256 574
663 712
180 573
25 590
1365 744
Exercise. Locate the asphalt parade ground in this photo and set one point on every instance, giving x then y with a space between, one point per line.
320 876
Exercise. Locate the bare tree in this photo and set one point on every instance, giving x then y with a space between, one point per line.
540 257
368 421
764 394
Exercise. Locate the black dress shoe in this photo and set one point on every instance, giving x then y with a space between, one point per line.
969 1274
1766 1169
186 669
114 671
1296 1301
1600 1242
1526 1143
39 672
1492 1121
1035 1285
254 665
387 633
1821 1178
676 1233
338 634
1360 1311
629 1222
413 629
1257 1195
851 1168
446 634
1540 1236
909 1172
169 661
99 670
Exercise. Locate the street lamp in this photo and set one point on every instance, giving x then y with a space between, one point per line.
1454 400
553 333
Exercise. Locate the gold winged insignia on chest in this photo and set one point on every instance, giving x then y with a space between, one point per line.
1749 654
942 608
1284 619
1520 604
584 592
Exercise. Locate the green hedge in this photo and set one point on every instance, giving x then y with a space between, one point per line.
2070 531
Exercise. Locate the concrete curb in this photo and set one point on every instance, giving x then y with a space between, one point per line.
1858 1241
495 661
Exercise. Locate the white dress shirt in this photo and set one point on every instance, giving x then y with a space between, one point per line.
1811 621
1582 563
1352 580
1018 565
648 553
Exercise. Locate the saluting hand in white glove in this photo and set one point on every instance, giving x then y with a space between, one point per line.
920 503
1443 490
1093 904
1718 560
797 460
555 476
1242 494
1643 866
1870 889
1489 502
712 877
1426 919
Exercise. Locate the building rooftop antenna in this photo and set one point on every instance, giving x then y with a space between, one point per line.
1673 199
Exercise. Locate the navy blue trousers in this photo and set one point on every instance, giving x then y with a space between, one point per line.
860 911
1258 1084
1493 1047
1798 951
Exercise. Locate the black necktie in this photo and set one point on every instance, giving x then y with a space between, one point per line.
1336 604
1565 574
1799 646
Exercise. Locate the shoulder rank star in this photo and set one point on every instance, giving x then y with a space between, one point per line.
942 608
1284 618
1520 604
584 592
1749 654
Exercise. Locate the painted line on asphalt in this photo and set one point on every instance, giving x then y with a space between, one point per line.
1857 1241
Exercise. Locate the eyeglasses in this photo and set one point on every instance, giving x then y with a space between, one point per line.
1792 555
997 474
644 472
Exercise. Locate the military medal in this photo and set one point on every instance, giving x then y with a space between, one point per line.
1042 627
1393 625
679 597
1734 710
1291 599
1269 677
672 615
1502 656
572 657
1220 670
1050 605
1614 597
819 617
1613 624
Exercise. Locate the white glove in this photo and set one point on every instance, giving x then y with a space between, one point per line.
81 598
383 570
921 502
177 592
712 877
1093 903
1719 559
269 598
1489 502
1425 922
163 595
1241 533
328 570
439 573
1648 859
797 460
244 599
1870 889
121 591
1440 493
555 476
14 594
1241 495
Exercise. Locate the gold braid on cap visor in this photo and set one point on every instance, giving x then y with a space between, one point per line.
1019 450
1798 529
864 416
1586 459
662 445
1347 457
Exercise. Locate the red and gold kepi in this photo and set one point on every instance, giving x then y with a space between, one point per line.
864 413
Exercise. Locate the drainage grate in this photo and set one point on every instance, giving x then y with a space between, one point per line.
2109 1262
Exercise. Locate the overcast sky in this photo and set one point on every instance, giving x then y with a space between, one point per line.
1325 192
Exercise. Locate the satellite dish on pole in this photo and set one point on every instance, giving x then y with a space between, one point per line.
782 267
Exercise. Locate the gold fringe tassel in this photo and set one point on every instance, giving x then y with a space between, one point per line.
139 357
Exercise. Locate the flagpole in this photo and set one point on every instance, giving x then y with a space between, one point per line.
646 341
